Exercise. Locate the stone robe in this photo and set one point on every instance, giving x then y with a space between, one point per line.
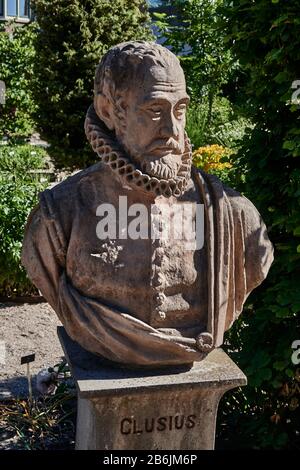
144 302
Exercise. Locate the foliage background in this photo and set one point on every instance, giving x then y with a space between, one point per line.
19 190
264 38
17 56
195 35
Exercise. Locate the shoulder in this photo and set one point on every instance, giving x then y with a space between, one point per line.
80 189
239 204
58 205
245 224
68 189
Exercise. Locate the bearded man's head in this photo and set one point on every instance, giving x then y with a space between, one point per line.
140 93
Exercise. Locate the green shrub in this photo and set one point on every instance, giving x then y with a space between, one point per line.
265 39
73 36
21 159
17 56
19 193
226 127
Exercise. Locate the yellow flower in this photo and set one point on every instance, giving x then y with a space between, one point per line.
208 158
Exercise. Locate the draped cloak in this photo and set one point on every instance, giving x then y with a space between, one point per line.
239 255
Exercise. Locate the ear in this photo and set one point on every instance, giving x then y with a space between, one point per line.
104 110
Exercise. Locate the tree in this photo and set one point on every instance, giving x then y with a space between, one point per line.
73 36
16 71
264 37
193 32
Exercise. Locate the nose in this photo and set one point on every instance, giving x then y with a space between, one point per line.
169 127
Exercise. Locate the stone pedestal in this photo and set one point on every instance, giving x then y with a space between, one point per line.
170 409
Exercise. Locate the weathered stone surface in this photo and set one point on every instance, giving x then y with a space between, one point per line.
173 408
145 301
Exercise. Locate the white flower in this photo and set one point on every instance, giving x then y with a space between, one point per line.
46 382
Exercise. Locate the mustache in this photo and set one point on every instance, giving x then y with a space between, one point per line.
159 145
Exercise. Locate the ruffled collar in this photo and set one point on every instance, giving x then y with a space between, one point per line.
109 151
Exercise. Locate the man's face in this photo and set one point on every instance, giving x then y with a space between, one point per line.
155 114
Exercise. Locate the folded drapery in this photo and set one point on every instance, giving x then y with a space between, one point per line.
239 255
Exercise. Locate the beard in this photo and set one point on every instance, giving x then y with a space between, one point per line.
160 159
165 167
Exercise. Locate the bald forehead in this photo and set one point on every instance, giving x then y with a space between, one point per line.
171 73
159 87
157 78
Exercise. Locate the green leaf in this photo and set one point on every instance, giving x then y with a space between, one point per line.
160 16
290 373
280 365
296 231
281 77
289 145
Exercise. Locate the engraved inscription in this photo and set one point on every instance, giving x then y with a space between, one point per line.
163 423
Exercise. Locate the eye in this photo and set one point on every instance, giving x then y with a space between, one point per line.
180 110
155 112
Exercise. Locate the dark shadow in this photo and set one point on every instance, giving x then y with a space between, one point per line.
15 387
6 302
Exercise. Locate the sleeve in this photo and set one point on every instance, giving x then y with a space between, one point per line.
43 253
250 250
259 252
239 253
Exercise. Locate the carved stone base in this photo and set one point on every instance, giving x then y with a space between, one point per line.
170 409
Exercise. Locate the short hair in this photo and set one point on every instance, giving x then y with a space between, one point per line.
120 65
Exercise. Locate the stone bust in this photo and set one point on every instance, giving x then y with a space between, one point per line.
142 300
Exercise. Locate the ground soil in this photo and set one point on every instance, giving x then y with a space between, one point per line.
26 329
